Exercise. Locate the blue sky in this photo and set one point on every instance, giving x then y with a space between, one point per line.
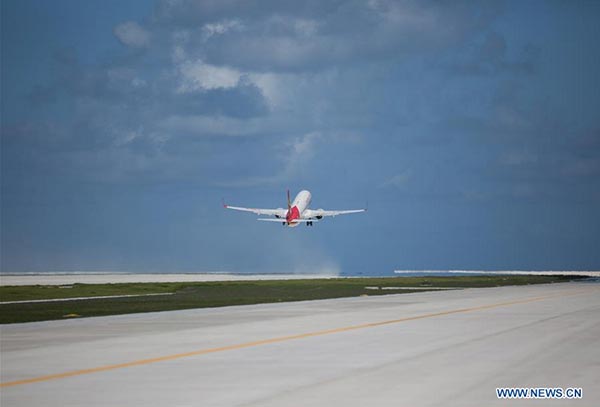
472 130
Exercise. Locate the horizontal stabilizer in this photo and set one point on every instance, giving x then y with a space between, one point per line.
283 220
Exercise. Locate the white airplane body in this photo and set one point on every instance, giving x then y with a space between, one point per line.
296 213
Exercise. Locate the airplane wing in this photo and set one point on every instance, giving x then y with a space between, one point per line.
272 212
319 213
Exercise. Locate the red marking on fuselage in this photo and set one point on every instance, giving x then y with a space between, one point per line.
293 213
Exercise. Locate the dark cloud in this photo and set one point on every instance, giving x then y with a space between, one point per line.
296 37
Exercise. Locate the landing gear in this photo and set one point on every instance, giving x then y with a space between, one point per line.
309 223
283 223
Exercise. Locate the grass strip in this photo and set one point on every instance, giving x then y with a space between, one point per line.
188 295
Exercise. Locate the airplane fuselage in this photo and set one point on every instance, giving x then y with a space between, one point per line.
297 208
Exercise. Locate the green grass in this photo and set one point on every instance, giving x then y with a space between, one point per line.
217 294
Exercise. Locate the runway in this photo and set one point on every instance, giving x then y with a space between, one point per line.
422 349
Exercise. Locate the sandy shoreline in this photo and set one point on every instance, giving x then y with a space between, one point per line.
65 278
105 278
504 272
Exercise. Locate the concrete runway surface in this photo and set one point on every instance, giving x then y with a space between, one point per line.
448 348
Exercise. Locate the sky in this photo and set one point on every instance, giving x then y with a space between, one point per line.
471 130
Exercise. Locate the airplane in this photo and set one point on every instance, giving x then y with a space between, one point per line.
297 211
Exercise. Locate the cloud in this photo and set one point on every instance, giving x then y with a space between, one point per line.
291 37
214 29
198 75
271 86
295 155
399 180
300 153
213 125
132 34
248 73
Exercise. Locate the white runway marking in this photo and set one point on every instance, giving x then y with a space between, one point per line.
83 298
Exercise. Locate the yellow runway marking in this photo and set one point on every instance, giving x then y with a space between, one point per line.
273 340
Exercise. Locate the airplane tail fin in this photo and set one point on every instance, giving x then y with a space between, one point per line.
289 200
